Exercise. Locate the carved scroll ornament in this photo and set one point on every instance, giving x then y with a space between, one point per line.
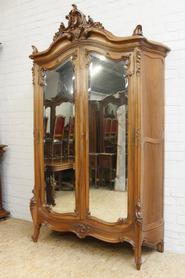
77 27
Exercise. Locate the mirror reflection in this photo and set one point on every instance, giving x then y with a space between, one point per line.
59 119
108 103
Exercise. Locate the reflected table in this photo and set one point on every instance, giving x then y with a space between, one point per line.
51 167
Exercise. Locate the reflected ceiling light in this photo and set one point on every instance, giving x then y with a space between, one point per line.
102 58
94 70
89 89
126 83
73 78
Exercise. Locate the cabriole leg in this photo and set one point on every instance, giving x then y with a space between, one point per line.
137 254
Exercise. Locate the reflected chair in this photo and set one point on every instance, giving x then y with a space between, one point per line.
70 143
53 146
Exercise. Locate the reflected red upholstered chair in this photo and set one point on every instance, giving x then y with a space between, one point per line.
54 144
58 132
70 149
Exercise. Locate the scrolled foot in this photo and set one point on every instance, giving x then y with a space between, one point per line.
138 265
138 258
160 247
36 232
138 262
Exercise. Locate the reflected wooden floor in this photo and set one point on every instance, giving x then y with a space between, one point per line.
105 204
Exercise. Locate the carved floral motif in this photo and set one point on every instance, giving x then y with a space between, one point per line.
42 77
81 229
77 27
121 220
138 136
138 61
127 67
33 74
138 213
32 202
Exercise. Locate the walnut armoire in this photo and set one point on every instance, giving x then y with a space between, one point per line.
99 135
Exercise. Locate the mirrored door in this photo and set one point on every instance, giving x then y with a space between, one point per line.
108 148
59 138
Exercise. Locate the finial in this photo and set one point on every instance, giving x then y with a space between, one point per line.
35 50
138 31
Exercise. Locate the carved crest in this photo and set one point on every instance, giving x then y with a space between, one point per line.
78 26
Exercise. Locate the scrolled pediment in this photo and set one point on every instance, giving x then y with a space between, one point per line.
81 29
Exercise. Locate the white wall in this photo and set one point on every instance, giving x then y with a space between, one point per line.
23 23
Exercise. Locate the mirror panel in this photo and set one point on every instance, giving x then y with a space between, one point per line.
59 138
108 109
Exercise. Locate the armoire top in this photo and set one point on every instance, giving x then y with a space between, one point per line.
81 28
